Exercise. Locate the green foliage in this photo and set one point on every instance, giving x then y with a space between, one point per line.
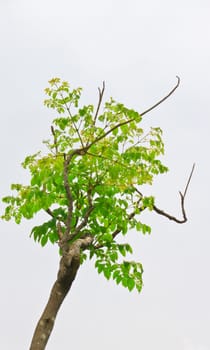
110 157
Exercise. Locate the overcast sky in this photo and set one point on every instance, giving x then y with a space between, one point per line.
138 47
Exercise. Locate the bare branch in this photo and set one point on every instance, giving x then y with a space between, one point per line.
101 93
141 114
157 210
169 216
188 182
163 99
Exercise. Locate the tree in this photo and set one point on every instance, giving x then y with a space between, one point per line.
89 185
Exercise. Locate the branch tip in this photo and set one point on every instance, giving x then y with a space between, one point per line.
100 97
189 179
163 99
178 78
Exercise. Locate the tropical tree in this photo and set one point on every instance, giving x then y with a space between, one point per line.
89 185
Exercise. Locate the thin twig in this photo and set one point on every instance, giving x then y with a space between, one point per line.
169 216
49 211
101 93
163 99
188 182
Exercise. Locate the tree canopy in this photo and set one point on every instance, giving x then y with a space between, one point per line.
89 180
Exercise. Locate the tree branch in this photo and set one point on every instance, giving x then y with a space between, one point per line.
49 212
163 99
170 217
188 182
101 93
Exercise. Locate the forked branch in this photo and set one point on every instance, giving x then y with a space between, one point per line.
182 195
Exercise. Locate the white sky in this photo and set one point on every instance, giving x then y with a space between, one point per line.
138 48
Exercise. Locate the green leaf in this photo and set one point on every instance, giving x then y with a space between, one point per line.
107 272
128 248
113 256
125 282
44 240
138 226
146 229
116 274
118 279
130 283
122 249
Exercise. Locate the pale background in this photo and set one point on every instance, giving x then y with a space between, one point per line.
138 48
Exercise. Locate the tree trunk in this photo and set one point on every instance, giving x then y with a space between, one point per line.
69 265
